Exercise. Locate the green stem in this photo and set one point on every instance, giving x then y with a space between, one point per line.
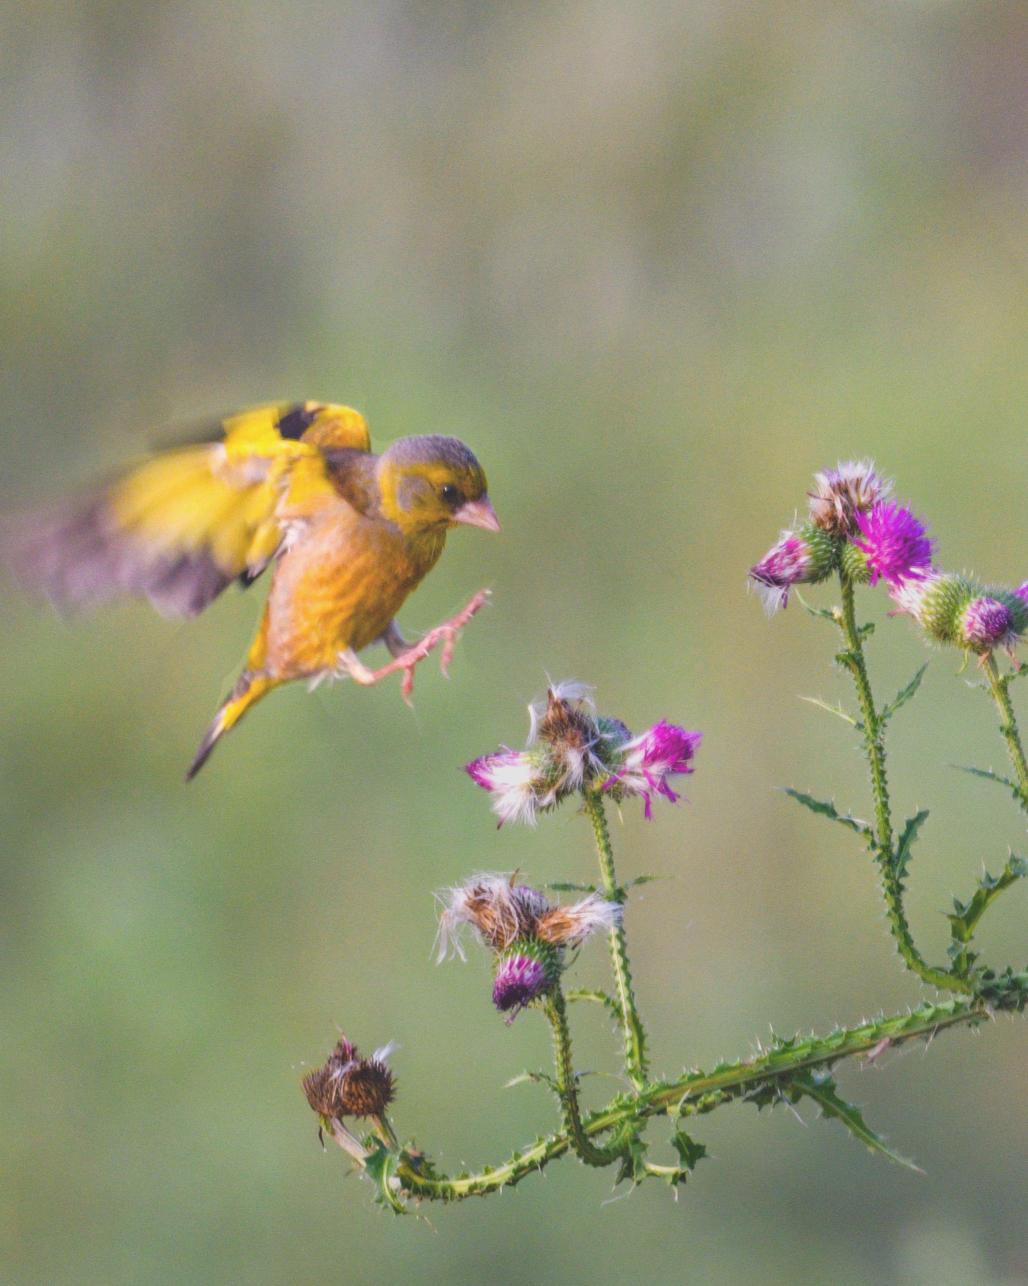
874 744
695 1093
568 1087
631 1023
874 748
1000 688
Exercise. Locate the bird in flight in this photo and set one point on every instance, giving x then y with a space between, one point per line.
350 534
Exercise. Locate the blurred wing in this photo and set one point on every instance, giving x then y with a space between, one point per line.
185 524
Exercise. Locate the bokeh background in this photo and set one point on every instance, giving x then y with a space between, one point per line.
656 263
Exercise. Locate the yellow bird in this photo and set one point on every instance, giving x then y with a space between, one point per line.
351 535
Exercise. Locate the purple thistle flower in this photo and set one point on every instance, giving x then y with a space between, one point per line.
649 760
986 623
1022 591
894 544
519 980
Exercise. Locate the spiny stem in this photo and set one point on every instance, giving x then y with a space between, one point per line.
694 1093
567 1085
874 745
874 749
1000 688
635 1035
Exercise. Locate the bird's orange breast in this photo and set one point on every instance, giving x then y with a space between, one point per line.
338 588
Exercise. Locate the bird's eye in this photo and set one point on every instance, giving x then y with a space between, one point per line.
449 493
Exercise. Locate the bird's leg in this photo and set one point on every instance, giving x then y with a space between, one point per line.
408 659
395 642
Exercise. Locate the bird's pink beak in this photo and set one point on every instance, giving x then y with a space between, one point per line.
478 513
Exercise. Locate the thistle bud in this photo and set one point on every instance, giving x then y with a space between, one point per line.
841 493
936 602
348 1085
997 619
524 972
854 565
801 557
894 544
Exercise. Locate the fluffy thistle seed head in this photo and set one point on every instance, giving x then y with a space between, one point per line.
559 759
894 544
500 912
802 557
572 748
348 1085
853 487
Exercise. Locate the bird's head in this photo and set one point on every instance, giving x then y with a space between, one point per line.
431 483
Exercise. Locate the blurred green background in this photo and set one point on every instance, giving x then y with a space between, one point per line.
656 263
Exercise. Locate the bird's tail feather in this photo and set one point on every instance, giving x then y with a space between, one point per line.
251 686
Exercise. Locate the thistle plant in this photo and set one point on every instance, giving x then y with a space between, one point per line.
855 535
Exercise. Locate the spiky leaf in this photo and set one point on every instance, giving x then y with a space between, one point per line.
537 1078
838 711
963 920
822 1089
989 775
633 1162
380 1167
597 997
827 809
906 842
689 1151
904 695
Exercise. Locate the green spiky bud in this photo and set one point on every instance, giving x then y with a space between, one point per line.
853 562
937 602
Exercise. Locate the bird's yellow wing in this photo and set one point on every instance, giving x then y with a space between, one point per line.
186 523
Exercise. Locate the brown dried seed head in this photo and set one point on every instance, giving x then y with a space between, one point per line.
322 1090
367 1088
557 926
840 494
565 724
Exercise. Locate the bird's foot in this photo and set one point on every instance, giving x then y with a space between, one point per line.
407 661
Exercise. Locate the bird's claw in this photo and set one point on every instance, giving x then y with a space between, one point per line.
446 634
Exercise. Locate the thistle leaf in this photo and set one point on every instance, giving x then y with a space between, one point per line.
989 775
633 1162
906 842
380 1167
821 1087
538 1078
904 695
689 1151
964 918
828 809
838 711
597 997
825 613
568 886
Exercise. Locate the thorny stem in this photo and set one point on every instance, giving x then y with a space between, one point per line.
883 847
999 685
567 1085
694 1093
635 1035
